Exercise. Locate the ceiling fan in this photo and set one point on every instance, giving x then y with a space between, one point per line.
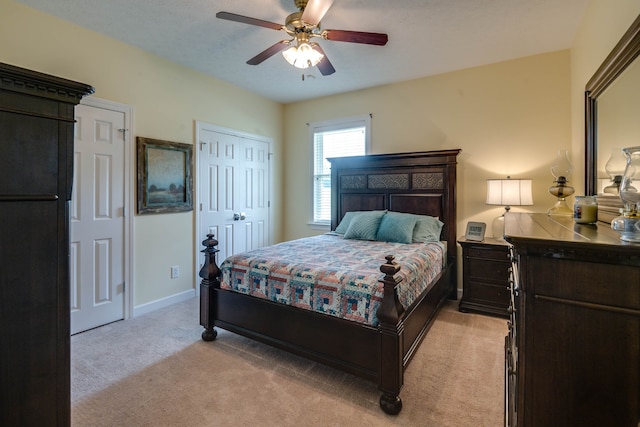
303 26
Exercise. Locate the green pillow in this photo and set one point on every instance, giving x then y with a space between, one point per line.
348 217
364 225
344 223
396 227
428 229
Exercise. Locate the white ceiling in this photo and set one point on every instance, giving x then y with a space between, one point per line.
426 37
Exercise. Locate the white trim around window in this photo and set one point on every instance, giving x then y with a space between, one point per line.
333 138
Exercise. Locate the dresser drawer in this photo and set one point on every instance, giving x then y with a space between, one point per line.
603 284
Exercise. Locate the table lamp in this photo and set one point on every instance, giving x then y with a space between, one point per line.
507 192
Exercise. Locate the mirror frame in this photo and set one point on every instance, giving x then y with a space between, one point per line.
622 55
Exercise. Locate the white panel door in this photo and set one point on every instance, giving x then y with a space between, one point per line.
233 187
97 219
252 197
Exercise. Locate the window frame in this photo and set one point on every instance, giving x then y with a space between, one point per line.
327 126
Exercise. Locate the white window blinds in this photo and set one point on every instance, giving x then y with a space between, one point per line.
335 139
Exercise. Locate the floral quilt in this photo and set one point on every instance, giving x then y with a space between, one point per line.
332 275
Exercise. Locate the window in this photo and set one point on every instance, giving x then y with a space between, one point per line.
337 138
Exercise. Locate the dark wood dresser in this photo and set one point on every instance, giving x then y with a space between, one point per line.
36 168
572 355
485 276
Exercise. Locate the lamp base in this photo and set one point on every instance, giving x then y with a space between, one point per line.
628 227
560 208
497 227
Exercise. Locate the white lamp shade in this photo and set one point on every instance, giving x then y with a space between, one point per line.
509 192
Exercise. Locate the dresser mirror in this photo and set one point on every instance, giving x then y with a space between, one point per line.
612 107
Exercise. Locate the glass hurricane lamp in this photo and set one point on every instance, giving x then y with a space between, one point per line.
628 224
561 170
615 168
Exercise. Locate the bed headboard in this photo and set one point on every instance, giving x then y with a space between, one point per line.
420 183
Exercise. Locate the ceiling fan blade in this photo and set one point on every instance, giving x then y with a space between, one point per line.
269 52
314 11
325 66
377 39
247 20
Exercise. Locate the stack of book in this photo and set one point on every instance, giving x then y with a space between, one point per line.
609 207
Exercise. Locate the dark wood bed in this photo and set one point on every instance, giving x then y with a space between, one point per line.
419 183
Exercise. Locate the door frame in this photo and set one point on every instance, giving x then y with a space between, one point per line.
198 202
129 172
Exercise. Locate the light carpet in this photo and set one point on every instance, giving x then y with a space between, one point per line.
155 370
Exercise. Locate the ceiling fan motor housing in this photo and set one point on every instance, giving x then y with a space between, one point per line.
301 4
294 22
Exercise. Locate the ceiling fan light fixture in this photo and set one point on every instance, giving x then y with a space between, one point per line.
302 56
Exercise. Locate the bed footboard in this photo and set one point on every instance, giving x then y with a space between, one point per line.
375 353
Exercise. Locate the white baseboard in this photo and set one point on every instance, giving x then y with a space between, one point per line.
163 302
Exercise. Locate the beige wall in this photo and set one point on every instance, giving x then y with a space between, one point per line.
167 99
508 118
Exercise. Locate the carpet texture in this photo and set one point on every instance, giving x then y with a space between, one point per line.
155 370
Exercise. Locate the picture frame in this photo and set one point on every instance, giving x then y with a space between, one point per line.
475 231
165 180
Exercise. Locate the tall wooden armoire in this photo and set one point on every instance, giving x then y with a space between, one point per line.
36 171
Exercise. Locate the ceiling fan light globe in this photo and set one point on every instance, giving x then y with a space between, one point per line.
290 54
302 56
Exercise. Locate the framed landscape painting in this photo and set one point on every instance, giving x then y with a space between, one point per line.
164 176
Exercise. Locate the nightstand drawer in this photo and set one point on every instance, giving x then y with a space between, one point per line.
489 252
488 271
497 295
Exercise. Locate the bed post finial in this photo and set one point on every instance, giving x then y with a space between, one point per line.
210 270
391 327
209 274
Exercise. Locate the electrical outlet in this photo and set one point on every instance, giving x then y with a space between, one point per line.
175 272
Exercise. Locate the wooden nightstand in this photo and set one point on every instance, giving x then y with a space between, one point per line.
485 276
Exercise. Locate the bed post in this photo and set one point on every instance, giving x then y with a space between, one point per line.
210 274
391 328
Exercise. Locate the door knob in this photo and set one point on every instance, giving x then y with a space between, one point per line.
239 216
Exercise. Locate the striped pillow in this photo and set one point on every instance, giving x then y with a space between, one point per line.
364 225
396 227
344 223
428 229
